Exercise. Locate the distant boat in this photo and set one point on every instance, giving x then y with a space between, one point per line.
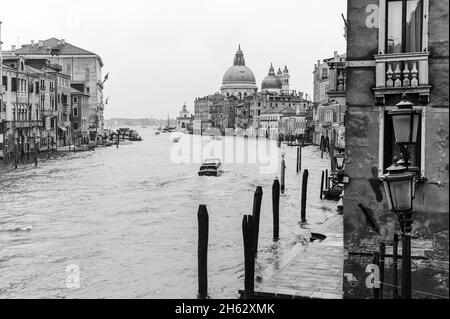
210 167
176 139
157 133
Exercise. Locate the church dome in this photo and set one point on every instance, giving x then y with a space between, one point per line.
239 80
239 73
271 81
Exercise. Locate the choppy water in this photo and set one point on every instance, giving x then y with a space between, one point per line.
127 218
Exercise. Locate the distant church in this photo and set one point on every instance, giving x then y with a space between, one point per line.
239 80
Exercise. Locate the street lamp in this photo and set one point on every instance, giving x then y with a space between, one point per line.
400 186
339 161
400 182
406 125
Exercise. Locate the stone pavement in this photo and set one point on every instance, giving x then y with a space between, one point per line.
313 271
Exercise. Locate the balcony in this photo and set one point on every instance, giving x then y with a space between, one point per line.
326 124
43 87
52 89
3 89
24 124
402 73
49 113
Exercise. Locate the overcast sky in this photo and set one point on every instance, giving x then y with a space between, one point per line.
161 54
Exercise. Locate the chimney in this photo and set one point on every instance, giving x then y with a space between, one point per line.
13 48
32 42
318 63
63 41
41 43
336 57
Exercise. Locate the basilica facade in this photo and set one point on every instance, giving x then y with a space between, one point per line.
242 109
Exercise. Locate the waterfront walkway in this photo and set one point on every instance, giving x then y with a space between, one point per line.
312 271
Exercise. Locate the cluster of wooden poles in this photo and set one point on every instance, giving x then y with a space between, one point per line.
379 260
250 230
24 156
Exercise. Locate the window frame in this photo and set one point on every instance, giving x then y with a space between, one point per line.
383 23
383 144
404 13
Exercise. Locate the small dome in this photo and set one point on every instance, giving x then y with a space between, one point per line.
271 81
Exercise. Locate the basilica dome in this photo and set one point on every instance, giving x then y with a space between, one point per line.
239 80
239 74
271 81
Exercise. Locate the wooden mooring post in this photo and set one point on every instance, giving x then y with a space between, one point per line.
283 174
299 159
322 146
276 209
118 139
375 290
395 268
304 194
256 214
382 263
203 233
35 155
322 184
248 234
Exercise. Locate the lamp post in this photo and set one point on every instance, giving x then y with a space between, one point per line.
400 186
400 182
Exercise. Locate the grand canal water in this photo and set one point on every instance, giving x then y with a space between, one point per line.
127 219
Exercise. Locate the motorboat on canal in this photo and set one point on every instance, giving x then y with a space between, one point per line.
210 167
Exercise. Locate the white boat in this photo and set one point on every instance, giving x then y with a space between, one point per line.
210 167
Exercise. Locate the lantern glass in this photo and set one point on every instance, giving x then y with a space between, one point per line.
400 189
406 126
340 160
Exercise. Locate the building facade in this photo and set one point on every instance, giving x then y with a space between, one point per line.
80 116
329 93
30 114
184 120
83 67
396 48
239 108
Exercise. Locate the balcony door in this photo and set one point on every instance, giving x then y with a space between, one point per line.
404 26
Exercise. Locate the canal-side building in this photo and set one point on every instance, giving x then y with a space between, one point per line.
184 120
238 108
80 116
329 96
396 48
61 90
271 121
206 112
83 67
29 107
